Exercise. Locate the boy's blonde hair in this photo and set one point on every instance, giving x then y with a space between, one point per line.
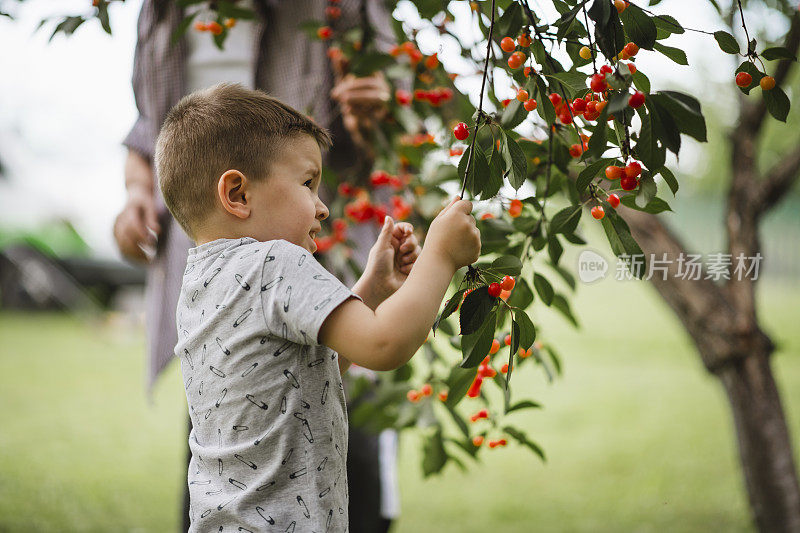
217 129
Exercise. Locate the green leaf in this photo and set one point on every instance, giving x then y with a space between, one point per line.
654 206
527 332
647 190
369 63
510 21
600 12
478 170
544 288
521 295
507 265
599 140
561 303
777 103
476 307
518 166
663 125
102 14
543 103
566 220
641 81
668 24
520 437
610 38
669 178
777 52
434 456
68 26
675 54
574 81
495 178
586 175
727 42
686 111
639 26
513 115
475 346
182 27
554 248
449 308
458 383
524 404
622 242
617 103
647 148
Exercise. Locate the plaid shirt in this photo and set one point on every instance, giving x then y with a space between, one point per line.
287 65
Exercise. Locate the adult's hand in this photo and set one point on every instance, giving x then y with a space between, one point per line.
363 102
133 224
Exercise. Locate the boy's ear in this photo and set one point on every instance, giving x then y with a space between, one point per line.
234 193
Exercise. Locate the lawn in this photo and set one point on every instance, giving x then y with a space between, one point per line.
638 436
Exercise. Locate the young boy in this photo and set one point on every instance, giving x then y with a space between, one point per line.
264 331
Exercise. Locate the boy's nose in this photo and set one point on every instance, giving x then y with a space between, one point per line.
322 211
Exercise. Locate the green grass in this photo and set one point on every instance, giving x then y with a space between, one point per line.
638 436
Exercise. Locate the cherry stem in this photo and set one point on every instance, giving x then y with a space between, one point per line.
589 34
480 103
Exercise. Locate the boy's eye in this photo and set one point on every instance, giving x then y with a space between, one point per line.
308 183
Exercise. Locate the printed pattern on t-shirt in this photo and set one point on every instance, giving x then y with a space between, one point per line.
269 437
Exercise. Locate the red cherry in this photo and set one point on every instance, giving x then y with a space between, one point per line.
515 209
575 150
516 60
555 98
628 183
633 169
200 26
522 95
507 44
324 33
494 290
214 27
528 71
477 441
413 396
631 49
403 97
507 340
565 117
524 40
443 396
614 172
598 83
636 100
507 283
613 200
504 368
475 389
631 67
598 212
579 105
606 69
461 131
333 12
495 346
744 79
530 105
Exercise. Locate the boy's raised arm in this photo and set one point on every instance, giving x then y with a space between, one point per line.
388 337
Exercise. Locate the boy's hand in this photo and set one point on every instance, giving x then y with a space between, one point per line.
392 257
454 235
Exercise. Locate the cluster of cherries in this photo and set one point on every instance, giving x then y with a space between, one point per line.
332 12
214 27
744 79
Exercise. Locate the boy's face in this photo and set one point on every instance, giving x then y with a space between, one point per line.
286 205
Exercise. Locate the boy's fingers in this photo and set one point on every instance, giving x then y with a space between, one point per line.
448 206
464 206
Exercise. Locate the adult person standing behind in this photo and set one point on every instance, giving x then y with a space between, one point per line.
272 54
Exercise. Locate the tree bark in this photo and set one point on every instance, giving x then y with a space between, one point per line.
734 348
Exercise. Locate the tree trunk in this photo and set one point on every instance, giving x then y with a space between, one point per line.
764 445
734 348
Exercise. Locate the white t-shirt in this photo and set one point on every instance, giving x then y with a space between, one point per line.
207 65
269 436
